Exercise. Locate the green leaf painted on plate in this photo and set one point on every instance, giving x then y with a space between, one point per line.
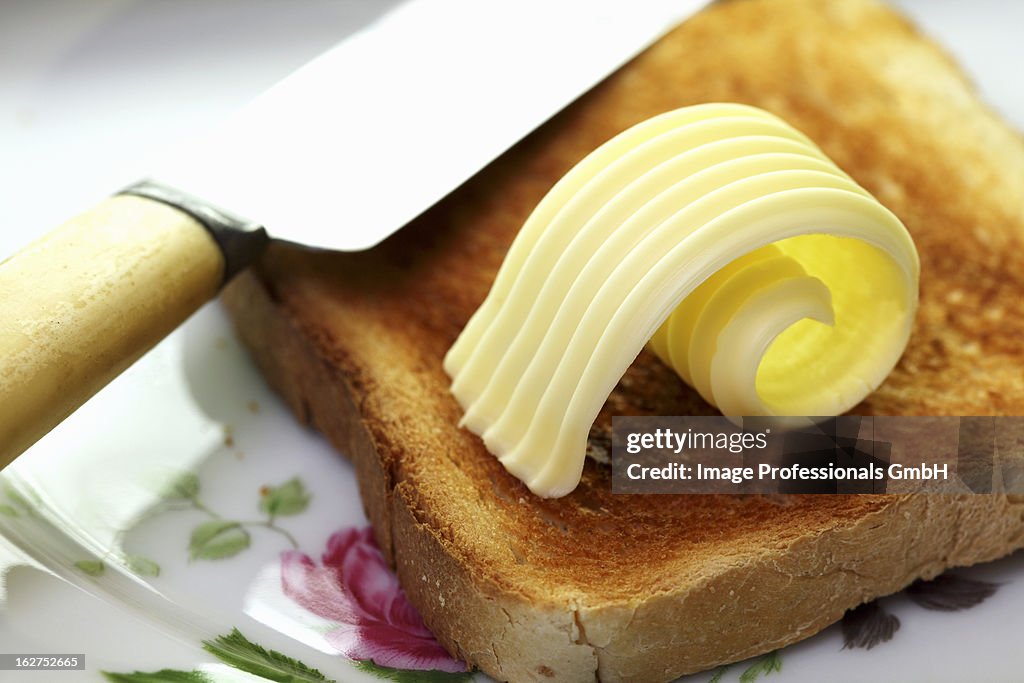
91 567
238 651
290 498
143 566
719 672
185 486
162 676
8 510
411 676
770 663
217 539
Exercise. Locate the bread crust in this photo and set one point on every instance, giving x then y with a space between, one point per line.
646 588
772 592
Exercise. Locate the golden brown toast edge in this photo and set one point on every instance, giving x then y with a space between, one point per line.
525 587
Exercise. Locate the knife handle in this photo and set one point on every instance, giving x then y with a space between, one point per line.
81 304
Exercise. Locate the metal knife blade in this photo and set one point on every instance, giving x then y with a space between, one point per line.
358 142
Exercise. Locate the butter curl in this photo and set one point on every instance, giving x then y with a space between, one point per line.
716 234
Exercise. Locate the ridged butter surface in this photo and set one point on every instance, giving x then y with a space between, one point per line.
767 278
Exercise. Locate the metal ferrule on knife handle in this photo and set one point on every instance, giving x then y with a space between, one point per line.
240 240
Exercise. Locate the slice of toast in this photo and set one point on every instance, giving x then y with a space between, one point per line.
646 588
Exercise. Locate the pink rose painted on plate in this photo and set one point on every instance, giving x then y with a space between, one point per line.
355 588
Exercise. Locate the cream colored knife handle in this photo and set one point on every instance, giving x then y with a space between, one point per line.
81 304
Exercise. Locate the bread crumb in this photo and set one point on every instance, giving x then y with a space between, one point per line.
229 436
253 406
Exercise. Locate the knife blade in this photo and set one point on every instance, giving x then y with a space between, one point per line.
364 138
339 155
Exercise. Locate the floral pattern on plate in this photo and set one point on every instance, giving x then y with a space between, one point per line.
250 517
354 588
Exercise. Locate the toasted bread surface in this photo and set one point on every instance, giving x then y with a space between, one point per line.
595 586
